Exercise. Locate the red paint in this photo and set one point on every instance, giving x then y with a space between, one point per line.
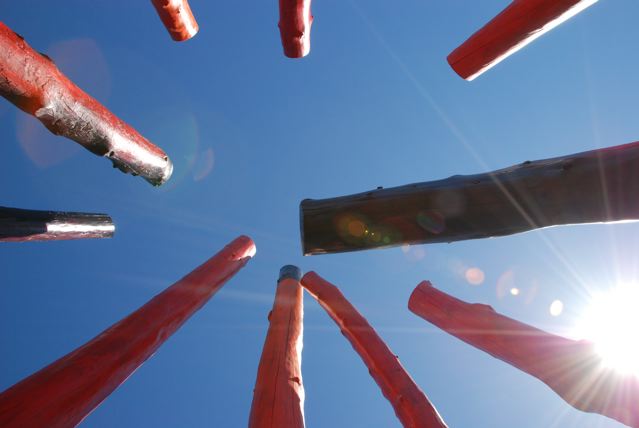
571 368
177 17
411 405
65 392
516 26
278 397
295 27
33 83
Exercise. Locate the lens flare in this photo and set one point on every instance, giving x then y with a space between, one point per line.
610 322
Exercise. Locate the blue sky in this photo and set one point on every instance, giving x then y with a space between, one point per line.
251 134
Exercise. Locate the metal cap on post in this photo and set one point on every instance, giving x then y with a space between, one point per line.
290 271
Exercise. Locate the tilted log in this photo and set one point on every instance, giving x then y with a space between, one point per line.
519 24
411 405
573 369
278 397
295 27
177 17
65 392
595 186
33 83
18 225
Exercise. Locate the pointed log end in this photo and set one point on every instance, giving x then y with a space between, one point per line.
290 272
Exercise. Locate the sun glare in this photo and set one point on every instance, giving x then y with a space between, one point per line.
611 322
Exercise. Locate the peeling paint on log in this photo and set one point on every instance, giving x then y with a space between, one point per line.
177 17
573 369
590 187
411 405
33 83
278 397
62 394
516 26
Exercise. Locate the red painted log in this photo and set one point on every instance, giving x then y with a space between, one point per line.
33 83
295 27
18 225
65 392
573 369
411 405
519 24
278 397
177 17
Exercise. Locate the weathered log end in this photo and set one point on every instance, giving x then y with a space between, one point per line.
177 17
295 27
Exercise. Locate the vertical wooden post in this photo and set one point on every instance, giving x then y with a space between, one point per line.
411 405
18 225
519 24
571 368
65 392
278 398
295 27
33 83
177 17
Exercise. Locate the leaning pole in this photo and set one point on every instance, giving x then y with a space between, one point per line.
589 187
278 397
516 26
571 368
411 405
66 391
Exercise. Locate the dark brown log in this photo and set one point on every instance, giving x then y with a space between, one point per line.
18 225
33 83
590 187
573 369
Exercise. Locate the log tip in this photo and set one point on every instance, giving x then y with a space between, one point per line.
414 296
462 68
290 272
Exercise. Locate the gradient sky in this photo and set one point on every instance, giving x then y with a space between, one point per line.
251 134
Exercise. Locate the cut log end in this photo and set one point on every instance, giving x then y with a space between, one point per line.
177 17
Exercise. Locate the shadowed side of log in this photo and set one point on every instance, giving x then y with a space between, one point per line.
518 25
573 369
18 225
590 187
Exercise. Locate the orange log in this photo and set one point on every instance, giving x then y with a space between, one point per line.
573 369
295 27
519 24
33 83
278 397
177 17
411 405
66 391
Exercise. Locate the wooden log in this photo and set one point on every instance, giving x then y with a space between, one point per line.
573 369
411 405
18 225
295 27
516 26
590 187
278 397
33 83
65 392
177 17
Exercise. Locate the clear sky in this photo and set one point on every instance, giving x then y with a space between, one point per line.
251 134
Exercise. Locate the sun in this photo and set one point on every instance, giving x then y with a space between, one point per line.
611 322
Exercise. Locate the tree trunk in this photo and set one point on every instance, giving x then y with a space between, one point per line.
519 24
411 405
33 83
65 392
278 397
590 187
177 17
17 225
571 368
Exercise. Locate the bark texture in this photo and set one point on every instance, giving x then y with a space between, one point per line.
519 24
278 397
590 187
33 83
177 17
18 225
295 27
411 405
65 392
573 369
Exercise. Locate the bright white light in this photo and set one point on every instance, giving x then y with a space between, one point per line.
514 291
611 322
556 308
